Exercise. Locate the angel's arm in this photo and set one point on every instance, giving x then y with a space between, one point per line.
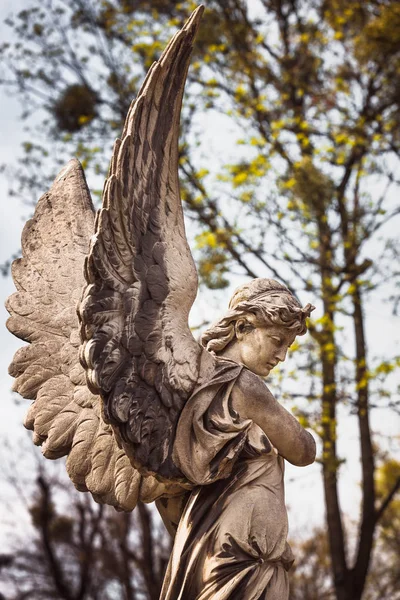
251 399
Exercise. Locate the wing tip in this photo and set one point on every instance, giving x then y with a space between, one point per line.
187 32
81 194
72 165
195 17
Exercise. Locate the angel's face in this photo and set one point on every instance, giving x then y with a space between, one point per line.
263 347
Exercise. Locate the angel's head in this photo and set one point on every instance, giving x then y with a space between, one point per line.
263 320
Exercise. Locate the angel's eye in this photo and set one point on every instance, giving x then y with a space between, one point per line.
276 339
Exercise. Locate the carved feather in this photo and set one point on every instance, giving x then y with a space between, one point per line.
65 416
100 480
138 350
127 482
79 461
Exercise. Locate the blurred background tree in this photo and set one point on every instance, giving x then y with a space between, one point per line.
79 550
310 91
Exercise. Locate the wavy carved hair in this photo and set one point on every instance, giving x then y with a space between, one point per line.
271 302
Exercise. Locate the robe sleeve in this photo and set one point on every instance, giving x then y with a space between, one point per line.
210 435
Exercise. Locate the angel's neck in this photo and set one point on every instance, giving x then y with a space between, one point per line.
232 351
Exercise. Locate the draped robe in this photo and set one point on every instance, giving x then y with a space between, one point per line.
231 539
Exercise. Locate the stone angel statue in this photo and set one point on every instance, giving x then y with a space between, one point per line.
121 387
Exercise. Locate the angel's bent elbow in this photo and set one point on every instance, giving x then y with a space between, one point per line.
309 453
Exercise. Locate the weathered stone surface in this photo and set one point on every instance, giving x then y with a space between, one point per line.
120 385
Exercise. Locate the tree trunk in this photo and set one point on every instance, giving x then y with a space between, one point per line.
330 464
368 520
327 343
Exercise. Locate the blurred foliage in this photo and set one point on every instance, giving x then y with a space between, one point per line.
75 108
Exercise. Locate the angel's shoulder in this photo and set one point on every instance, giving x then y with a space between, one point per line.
249 383
251 395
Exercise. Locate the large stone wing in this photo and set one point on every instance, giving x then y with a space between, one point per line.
139 352
65 416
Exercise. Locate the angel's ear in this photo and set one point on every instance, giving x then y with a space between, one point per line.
243 327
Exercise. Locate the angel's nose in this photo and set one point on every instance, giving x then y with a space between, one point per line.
281 354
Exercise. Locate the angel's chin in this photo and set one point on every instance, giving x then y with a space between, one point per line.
262 371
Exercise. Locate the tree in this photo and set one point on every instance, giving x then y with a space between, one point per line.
80 550
310 577
312 88
384 576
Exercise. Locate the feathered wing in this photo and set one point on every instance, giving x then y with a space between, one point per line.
139 352
65 416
